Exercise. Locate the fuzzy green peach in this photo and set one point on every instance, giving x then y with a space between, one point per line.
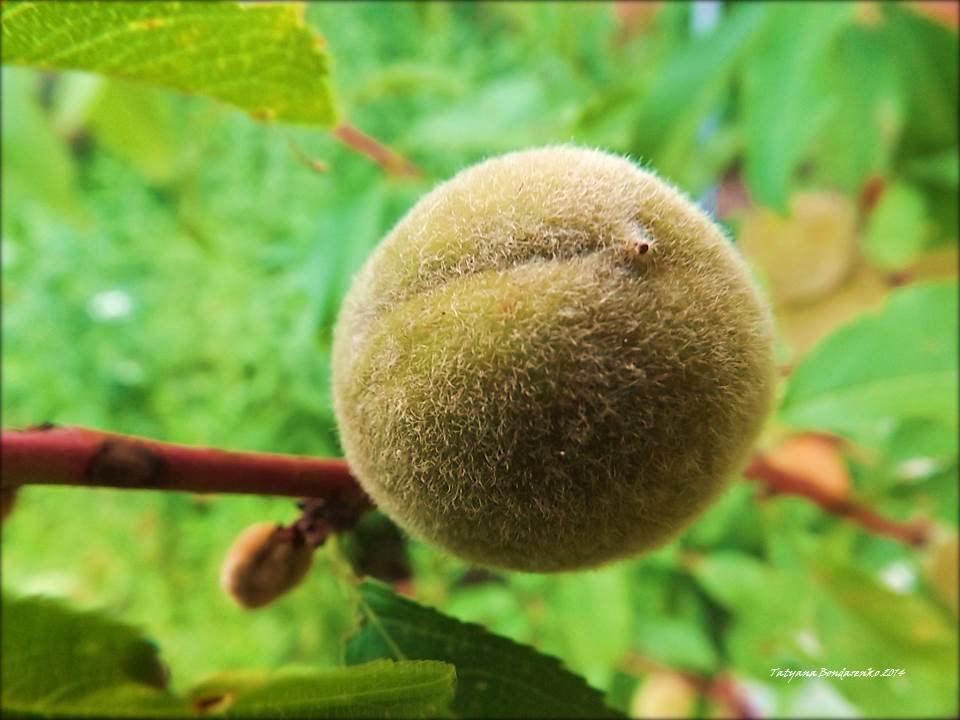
554 360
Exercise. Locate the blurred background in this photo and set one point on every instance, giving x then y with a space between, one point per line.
172 268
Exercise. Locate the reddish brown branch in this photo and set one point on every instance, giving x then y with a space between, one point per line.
386 157
77 456
779 481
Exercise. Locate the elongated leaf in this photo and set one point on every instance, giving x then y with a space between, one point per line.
677 643
36 160
940 169
897 228
873 626
135 123
380 689
60 661
925 54
899 363
690 84
861 135
259 57
496 677
784 98
505 115
737 581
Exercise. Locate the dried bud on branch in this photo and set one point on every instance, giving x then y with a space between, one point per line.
266 561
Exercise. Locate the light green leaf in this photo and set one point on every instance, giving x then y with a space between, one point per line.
882 367
36 160
496 677
861 135
941 169
676 642
925 439
869 625
504 115
897 228
71 98
784 100
260 57
380 689
593 643
737 581
732 521
136 124
57 661
689 85
925 54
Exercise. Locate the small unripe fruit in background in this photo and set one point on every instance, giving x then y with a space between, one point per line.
553 360
264 562
806 254
662 695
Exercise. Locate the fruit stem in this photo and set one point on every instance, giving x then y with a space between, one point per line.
49 455
777 481
386 157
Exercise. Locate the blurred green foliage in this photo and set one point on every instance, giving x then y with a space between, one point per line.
172 268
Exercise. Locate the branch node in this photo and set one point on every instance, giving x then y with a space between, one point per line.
120 463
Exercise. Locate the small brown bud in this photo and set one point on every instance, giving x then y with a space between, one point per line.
265 561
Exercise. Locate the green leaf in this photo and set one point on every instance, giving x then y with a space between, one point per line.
504 115
859 139
593 642
689 85
897 228
136 124
732 521
36 160
940 169
882 367
925 439
737 581
496 677
925 54
259 57
784 100
869 625
380 689
677 643
61 661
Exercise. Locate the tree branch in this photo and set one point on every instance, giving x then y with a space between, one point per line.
917 532
47 455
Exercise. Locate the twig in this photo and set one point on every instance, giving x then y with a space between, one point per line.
388 158
46 455
776 480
